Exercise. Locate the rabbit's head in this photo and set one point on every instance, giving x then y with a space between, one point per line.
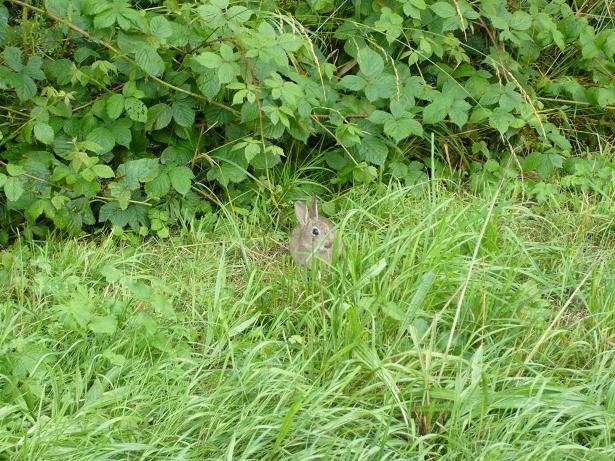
314 236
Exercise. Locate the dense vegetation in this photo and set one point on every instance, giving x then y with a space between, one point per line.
464 150
133 113
177 349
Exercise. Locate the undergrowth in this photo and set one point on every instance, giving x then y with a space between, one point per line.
211 345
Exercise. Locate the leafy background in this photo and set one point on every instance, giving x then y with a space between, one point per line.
139 114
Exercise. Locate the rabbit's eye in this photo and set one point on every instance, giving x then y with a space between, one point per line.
315 231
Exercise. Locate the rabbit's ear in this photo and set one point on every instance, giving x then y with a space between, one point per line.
301 212
314 207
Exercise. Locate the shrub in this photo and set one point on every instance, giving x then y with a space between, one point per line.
113 109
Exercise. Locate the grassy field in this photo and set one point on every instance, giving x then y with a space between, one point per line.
456 327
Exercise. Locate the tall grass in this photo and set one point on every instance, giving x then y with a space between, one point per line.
211 358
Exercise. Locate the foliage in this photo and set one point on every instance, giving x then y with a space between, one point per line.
122 112
164 350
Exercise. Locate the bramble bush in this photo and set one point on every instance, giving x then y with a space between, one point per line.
122 112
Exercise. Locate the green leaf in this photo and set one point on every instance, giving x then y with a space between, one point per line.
12 58
103 137
181 179
44 133
208 83
2 179
379 117
160 27
226 173
391 23
115 105
227 72
364 173
437 110
121 132
182 113
336 159
500 119
353 83
444 10
374 150
212 15
163 115
13 189
179 155
136 110
135 215
24 86
370 62
520 20
209 60
382 87
403 127
106 325
135 171
238 13
149 60
458 112
159 186
103 171
15 170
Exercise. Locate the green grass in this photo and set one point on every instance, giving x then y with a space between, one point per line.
211 345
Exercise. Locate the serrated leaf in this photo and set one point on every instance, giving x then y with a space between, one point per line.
208 83
163 117
227 72
179 155
13 189
181 179
135 215
336 159
238 13
370 62
500 119
121 132
24 86
437 110
135 171
382 87
374 150
136 110
208 59
212 16
103 137
159 186
458 112
182 114
160 27
364 173
12 58
444 10
226 173
149 60
106 325
379 117
353 83
14 169
103 171
44 133
403 127
115 106
520 20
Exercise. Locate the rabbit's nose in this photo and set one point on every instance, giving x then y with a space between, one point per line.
328 244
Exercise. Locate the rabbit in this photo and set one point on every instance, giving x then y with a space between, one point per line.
313 237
